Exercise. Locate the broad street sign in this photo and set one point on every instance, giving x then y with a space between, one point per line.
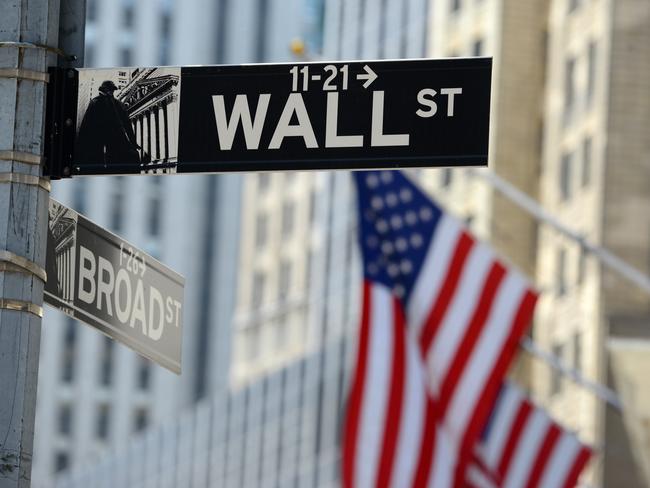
102 280
365 114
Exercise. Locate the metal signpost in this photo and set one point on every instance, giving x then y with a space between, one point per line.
102 280
340 115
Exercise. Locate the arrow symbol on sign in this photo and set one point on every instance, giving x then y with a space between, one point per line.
370 76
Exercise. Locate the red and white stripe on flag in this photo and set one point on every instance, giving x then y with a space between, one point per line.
442 319
392 437
468 311
523 447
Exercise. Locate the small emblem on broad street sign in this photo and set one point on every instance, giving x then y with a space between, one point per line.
102 280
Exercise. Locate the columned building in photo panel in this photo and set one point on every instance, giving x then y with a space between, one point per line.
151 104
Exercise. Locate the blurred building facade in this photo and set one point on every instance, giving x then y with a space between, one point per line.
298 275
512 33
569 128
93 392
569 103
595 176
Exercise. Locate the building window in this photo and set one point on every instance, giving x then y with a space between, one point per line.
89 56
446 178
252 335
61 461
560 272
103 421
288 211
281 331
587 148
126 56
308 269
577 351
155 203
166 25
117 204
261 224
312 206
258 289
91 10
263 181
454 5
106 363
569 88
127 16
284 280
69 350
144 374
477 48
565 176
556 374
582 265
65 420
591 71
165 37
573 4
79 196
140 419
67 372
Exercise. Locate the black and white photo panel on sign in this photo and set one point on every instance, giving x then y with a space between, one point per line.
129 117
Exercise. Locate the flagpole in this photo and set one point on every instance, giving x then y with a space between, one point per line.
534 208
601 391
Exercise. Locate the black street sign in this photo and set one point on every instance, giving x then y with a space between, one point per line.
102 280
364 114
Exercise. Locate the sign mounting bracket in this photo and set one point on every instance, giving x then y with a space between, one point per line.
61 122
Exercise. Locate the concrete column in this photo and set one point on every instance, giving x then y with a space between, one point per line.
59 268
156 132
140 133
65 274
166 130
23 226
149 134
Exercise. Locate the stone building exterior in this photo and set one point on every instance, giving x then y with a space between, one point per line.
595 176
570 109
512 32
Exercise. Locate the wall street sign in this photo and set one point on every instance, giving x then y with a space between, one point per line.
366 114
102 280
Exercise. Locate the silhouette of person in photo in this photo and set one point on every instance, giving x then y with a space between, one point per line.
106 134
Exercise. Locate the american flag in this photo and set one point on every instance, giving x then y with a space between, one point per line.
441 320
522 446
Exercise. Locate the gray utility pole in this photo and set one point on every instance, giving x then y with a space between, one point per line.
28 37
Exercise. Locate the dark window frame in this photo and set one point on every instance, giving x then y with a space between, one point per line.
565 176
103 420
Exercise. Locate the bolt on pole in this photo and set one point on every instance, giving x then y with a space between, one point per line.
28 40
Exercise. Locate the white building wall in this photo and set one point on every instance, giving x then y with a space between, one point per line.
181 245
262 435
280 424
